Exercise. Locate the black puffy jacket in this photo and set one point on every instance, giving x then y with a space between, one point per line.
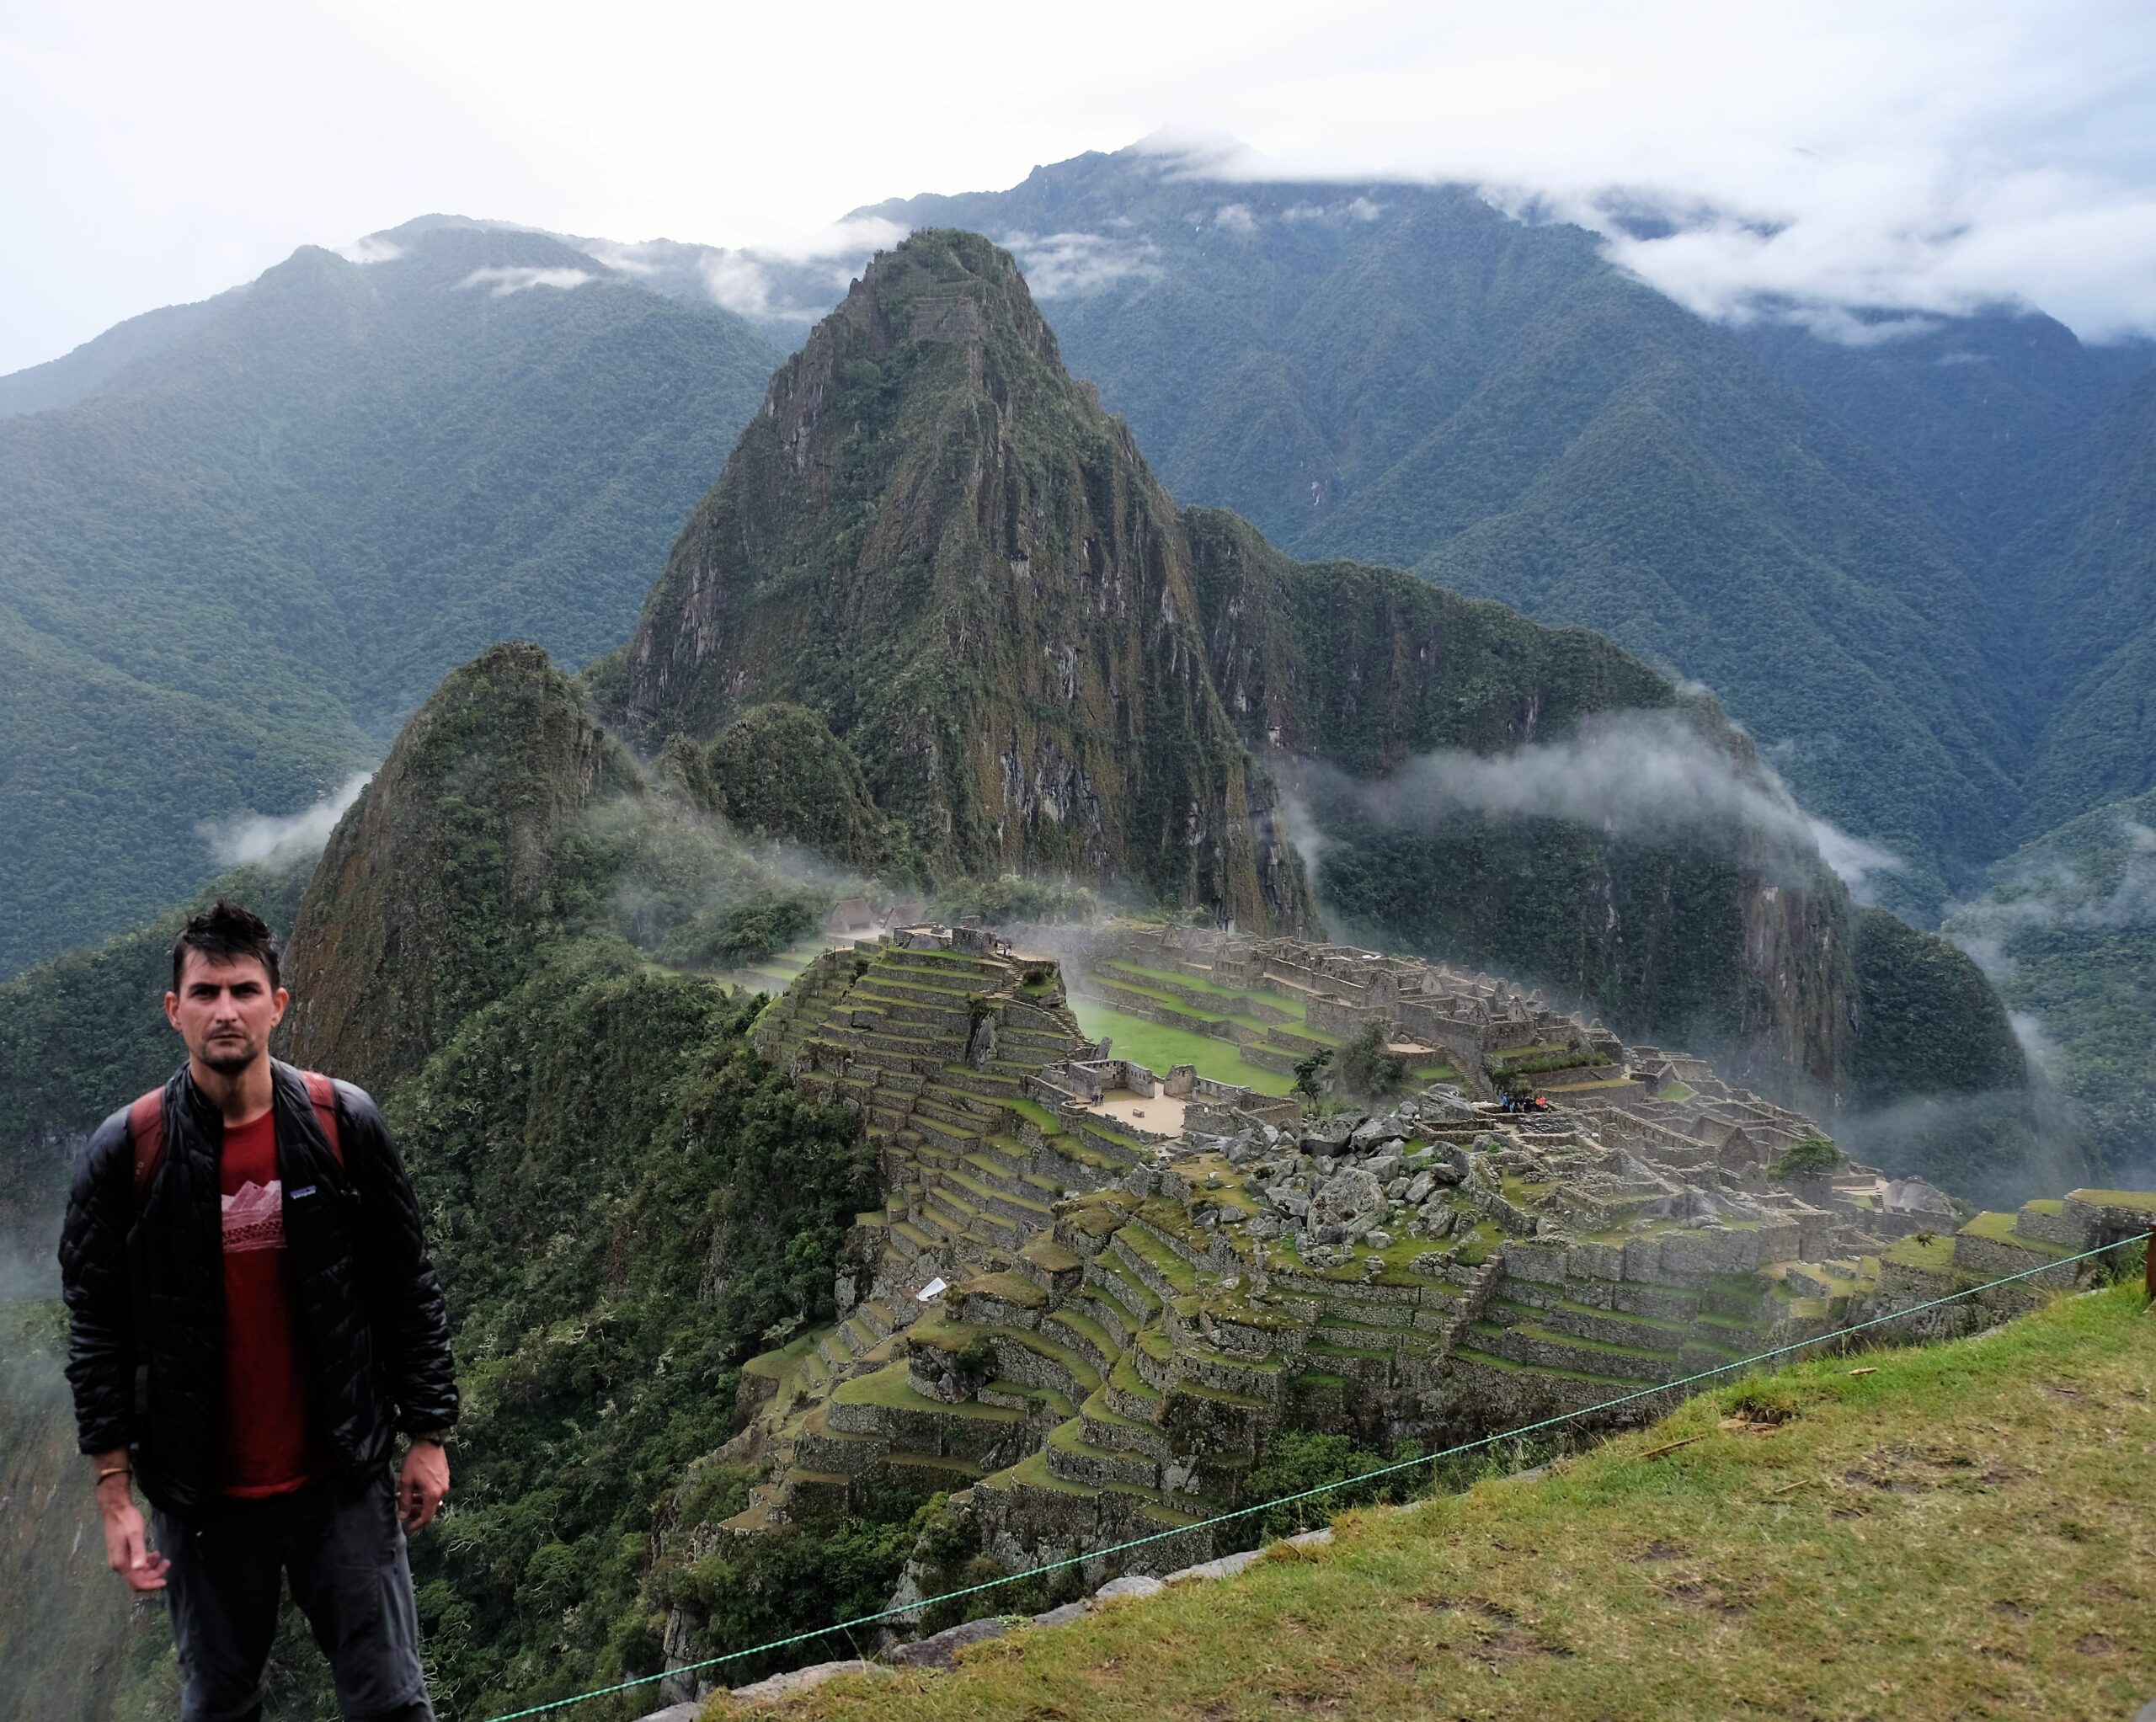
366 1306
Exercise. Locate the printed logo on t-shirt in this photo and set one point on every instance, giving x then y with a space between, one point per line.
254 1219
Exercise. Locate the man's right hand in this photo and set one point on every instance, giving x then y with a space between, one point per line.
126 1541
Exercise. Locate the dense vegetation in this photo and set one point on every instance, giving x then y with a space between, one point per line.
626 1201
2078 586
776 771
230 568
1940 1087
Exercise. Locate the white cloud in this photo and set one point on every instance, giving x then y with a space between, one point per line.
371 248
856 237
505 279
796 279
1063 266
1837 154
1642 775
255 837
736 282
1235 218
1857 863
631 259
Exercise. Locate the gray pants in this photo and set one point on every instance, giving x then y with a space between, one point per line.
339 1542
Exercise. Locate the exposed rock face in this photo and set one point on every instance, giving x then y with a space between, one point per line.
463 847
936 540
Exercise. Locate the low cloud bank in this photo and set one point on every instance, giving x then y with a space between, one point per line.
1066 265
1640 775
2056 892
242 838
505 279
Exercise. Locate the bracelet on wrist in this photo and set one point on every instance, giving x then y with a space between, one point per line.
112 1471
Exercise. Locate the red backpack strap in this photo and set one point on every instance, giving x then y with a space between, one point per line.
323 1092
146 1129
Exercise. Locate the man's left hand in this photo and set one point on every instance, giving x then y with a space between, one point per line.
425 1481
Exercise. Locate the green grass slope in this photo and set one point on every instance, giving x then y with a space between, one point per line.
230 565
1961 1532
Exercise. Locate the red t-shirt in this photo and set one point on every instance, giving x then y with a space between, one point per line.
268 1448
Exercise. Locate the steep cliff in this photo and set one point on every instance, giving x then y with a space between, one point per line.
936 540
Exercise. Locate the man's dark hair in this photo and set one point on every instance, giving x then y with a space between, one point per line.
223 932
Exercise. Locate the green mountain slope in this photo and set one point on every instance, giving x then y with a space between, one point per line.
230 566
1974 410
2079 585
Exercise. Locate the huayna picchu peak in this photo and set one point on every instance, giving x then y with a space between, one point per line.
936 540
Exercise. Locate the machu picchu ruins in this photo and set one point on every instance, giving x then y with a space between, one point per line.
1096 1290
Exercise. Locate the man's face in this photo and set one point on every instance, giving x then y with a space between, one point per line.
224 1011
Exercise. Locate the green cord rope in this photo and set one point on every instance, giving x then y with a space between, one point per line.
1322 1489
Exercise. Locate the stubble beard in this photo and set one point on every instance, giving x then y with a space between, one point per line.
229 1058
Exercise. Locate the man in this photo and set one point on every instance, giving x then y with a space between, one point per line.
253 1312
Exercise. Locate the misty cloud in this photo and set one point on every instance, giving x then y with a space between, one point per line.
504 279
1235 218
1063 266
1855 862
2047 893
738 282
796 280
372 247
1645 776
255 837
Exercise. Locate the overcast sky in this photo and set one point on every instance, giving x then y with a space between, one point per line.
1927 156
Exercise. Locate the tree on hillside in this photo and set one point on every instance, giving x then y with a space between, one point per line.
1369 1066
1309 1073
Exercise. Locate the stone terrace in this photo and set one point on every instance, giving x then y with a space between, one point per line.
1126 1320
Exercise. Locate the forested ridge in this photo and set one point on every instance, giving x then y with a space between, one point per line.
232 568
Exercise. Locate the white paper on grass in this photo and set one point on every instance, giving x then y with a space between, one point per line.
934 1288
